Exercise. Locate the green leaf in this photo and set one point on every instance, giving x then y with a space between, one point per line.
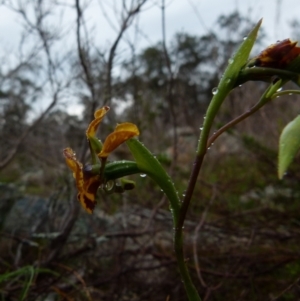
118 169
241 56
228 82
148 164
289 145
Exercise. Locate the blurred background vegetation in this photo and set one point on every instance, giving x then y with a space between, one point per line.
241 234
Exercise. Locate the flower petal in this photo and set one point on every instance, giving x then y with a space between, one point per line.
87 198
278 55
87 185
99 114
122 133
75 166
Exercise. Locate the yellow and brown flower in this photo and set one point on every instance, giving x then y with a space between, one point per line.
88 183
122 133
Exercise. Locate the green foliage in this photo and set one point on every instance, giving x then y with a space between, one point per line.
289 145
148 163
24 275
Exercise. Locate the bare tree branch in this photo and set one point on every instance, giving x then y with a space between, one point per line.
125 24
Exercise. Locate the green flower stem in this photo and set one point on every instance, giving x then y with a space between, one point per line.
226 84
148 164
201 150
190 289
265 74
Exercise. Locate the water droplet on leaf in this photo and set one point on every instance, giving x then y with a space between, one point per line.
109 185
214 91
143 175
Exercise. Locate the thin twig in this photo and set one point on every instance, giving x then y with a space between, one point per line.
170 88
125 24
286 289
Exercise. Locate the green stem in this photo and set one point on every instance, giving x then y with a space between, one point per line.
212 110
190 289
264 74
286 92
144 161
148 164
201 150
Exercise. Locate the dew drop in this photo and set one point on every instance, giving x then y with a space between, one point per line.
143 175
228 80
245 38
109 185
230 61
201 128
278 90
214 91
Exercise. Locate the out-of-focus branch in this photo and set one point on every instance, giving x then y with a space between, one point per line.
170 92
125 24
59 242
34 125
35 26
82 53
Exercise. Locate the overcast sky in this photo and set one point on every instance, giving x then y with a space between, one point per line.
192 16
197 16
